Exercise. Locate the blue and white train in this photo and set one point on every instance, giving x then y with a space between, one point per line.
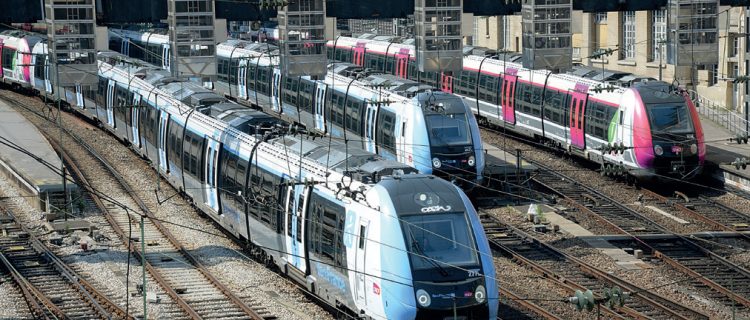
355 229
430 130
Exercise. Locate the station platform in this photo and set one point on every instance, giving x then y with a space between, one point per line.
41 185
720 152
501 164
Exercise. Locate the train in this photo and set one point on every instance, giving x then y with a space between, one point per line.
648 129
423 127
369 235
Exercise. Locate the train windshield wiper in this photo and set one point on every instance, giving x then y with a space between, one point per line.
423 255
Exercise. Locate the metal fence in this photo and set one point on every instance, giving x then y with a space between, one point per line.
728 119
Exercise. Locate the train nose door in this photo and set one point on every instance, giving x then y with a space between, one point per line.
134 123
508 101
166 61
320 102
110 103
163 121
361 262
296 206
242 79
210 172
577 119
276 90
370 118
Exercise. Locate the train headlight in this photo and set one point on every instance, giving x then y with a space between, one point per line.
436 163
658 150
480 294
472 161
693 148
423 298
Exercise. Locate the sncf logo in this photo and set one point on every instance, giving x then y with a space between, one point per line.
436 209
375 288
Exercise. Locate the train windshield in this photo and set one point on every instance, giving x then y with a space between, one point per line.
669 118
439 241
448 129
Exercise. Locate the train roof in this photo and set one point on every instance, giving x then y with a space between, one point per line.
344 158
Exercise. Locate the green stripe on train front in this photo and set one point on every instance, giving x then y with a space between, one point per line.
613 127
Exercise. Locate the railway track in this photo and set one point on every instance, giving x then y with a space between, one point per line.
704 209
613 214
694 260
526 310
50 287
185 280
573 274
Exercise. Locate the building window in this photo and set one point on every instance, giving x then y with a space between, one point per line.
576 53
713 75
659 32
475 33
628 35
735 44
600 17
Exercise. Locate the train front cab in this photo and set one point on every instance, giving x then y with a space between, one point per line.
453 135
667 134
436 261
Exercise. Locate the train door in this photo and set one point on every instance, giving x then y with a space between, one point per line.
320 103
79 96
361 262
134 116
210 172
296 205
359 54
165 57
577 118
508 96
163 120
125 46
242 79
370 118
402 61
276 90
110 103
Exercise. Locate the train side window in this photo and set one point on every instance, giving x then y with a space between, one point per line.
328 234
361 237
251 74
622 117
8 54
173 143
386 127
